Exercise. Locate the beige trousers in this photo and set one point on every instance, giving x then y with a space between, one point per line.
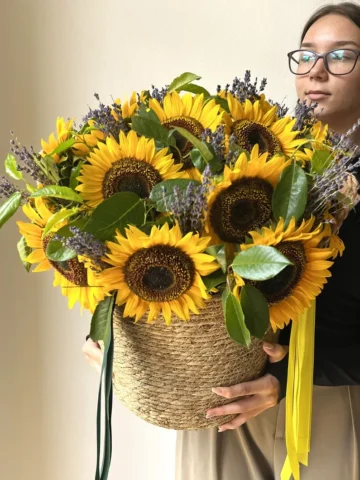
256 451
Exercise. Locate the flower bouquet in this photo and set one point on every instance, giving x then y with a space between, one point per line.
192 225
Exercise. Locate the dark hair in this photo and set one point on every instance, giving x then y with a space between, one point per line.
349 10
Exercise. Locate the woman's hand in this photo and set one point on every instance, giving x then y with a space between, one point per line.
259 394
93 354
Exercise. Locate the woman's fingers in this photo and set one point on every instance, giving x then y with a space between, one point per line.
264 384
245 405
275 351
93 354
89 346
241 419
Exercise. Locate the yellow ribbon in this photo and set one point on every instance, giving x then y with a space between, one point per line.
299 394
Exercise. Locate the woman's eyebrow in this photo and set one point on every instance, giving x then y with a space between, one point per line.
339 43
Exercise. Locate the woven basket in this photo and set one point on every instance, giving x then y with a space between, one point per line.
164 374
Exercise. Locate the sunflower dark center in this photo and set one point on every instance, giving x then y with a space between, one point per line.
191 125
72 270
130 175
244 206
159 274
158 278
250 133
280 287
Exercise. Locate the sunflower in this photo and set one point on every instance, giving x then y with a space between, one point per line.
158 273
191 113
332 226
318 141
63 131
264 104
33 233
129 107
256 123
131 166
84 142
292 290
77 282
243 200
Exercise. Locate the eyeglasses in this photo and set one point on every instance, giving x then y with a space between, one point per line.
336 62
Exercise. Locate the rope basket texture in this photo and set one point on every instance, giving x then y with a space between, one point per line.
164 374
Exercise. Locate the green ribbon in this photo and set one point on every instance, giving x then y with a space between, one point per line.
106 372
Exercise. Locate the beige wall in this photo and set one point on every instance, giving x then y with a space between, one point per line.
54 56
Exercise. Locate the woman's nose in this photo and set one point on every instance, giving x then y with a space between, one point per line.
319 70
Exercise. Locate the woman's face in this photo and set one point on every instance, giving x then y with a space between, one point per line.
339 97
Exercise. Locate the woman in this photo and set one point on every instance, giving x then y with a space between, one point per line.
252 446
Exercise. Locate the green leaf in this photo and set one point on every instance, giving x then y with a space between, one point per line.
198 160
157 195
321 160
58 253
75 172
260 263
56 191
290 195
235 321
11 168
256 310
146 228
57 218
236 150
218 251
214 279
148 113
117 212
215 163
65 172
62 147
51 168
30 188
200 163
100 322
196 89
201 146
183 80
65 230
9 208
24 251
221 101
151 129
224 296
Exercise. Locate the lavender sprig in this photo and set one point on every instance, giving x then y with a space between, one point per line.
217 141
282 109
104 119
233 153
159 94
326 186
189 206
86 244
245 89
29 162
7 188
304 115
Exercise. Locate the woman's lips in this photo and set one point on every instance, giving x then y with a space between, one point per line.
316 96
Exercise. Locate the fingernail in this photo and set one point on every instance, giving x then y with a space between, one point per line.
217 390
210 414
268 346
221 429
